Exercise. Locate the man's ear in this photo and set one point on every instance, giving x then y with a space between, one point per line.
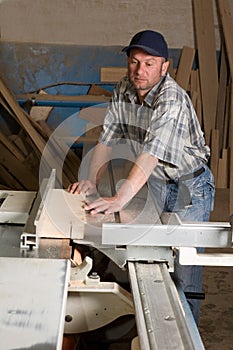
165 66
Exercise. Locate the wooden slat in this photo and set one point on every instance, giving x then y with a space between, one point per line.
60 98
40 113
226 21
227 26
214 152
8 179
112 74
221 102
205 37
196 93
185 66
231 154
222 179
17 169
21 116
14 150
99 91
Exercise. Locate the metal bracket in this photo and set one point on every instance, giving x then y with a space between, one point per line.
29 239
92 304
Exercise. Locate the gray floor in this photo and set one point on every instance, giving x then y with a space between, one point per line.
216 322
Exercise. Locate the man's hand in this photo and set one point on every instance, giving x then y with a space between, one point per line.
105 205
85 187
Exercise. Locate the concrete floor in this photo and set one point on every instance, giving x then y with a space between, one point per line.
216 321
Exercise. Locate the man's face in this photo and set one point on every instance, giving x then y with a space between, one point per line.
144 70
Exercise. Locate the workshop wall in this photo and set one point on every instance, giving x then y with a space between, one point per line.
96 22
50 42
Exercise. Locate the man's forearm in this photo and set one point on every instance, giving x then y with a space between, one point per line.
137 177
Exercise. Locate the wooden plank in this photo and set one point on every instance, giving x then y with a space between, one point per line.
98 91
222 179
11 147
64 98
19 142
231 154
40 113
185 67
221 102
205 37
214 152
196 94
9 179
17 169
21 118
63 216
227 26
112 74
226 125
226 21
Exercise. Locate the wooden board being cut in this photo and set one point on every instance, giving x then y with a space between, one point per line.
62 216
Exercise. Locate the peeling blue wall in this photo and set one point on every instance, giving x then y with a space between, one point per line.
27 67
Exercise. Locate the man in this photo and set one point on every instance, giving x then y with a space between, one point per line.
150 110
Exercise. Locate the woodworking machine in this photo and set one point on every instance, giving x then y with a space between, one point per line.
44 293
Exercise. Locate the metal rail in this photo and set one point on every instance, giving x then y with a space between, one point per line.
164 320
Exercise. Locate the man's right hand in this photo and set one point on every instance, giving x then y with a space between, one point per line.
84 187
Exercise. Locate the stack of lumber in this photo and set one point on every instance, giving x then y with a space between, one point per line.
210 85
29 156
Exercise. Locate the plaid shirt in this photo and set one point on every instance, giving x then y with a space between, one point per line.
165 126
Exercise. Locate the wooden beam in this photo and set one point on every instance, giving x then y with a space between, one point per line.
221 102
214 152
227 26
92 99
18 170
112 74
222 179
205 37
185 67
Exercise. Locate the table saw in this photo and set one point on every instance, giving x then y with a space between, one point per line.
45 294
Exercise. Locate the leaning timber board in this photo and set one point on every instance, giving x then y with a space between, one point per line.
33 298
62 216
207 59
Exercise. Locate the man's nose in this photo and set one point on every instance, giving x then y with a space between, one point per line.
140 68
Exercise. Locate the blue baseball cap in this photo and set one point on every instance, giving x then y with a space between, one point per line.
149 41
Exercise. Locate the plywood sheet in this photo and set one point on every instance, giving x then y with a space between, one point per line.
62 216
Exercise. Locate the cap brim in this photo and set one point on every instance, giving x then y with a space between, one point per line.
145 48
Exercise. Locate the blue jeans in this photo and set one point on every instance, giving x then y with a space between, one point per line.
170 198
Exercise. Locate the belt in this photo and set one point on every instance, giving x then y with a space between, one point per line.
187 176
